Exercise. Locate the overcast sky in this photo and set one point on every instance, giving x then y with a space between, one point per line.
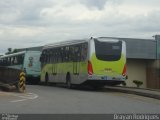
26 23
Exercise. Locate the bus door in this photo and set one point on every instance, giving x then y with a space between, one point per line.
76 60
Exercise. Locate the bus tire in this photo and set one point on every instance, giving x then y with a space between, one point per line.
46 79
68 81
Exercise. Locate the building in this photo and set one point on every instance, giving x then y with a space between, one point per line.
143 61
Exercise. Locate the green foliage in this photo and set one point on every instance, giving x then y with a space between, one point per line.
10 51
138 83
14 51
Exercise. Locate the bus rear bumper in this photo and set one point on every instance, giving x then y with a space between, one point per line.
107 78
102 82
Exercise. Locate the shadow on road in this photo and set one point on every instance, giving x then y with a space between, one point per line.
78 87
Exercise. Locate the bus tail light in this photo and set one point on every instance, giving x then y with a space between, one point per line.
90 69
124 70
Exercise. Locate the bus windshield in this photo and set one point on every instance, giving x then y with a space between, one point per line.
108 51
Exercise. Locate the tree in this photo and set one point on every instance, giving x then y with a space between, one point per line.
14 51
10 51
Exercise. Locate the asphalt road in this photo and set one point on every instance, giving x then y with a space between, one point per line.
60 100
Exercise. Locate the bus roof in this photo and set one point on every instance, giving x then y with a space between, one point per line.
64 43
13 54
72 42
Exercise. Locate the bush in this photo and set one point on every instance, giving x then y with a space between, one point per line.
138 83
123 83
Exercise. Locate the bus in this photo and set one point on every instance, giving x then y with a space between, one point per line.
25 60
96 62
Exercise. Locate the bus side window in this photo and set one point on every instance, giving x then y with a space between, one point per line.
15 61
42 58
48 56
12 61
9 61
70 54
59 55
56 56
78 53
62 54
45 60
74 56
66 54
4 62
0 62
84 52
53 56
20 59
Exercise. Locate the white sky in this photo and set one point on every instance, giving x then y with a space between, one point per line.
27 23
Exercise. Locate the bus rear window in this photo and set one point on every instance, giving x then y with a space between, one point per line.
108 51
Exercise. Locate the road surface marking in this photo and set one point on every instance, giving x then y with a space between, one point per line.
24 97
4 93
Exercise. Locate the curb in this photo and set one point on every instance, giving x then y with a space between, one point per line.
134 91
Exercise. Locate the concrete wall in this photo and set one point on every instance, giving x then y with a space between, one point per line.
136 70
9 75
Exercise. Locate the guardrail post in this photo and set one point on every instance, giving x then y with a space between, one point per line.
22 82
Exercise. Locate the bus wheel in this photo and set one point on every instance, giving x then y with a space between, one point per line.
68 81
46 79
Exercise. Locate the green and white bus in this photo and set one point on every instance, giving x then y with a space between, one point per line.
95 61
25 60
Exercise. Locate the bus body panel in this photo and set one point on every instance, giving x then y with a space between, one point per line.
62 70
32 63
113 69
104 71
57 71
25 60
